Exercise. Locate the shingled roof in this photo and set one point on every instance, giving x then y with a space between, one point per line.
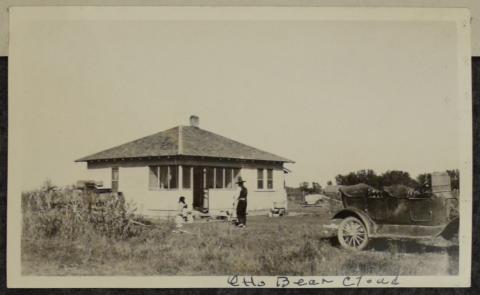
186 141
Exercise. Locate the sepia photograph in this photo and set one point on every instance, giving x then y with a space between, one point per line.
239 147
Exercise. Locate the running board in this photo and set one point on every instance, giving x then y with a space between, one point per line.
407 231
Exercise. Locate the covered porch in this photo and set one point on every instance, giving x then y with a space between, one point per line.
206 188
208 184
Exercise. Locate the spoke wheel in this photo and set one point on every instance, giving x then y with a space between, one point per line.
352 234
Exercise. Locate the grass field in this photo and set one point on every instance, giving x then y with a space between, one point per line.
291 245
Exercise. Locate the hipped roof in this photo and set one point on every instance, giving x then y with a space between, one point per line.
186 141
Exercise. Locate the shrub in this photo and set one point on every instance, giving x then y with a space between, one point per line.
70 214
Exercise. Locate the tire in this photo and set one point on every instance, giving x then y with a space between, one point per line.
352 234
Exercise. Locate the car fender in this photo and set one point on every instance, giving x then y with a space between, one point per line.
369 223
450 229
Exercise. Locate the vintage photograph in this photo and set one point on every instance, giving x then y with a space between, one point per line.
224 143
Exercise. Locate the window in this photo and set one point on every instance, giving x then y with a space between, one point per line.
210 177
228 178
187 174
172 177
163 177
260 178
270 178
163 183
115 176
218 177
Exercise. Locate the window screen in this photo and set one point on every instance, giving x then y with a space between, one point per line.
115 177
260 178
187 172
163 177
218 177
228 178
270 178
210 177
173 177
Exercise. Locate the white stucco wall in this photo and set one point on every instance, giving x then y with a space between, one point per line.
222 199
134 185
257 199
263 199
133 182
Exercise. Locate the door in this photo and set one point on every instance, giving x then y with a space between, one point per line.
198 187
377 205
420 209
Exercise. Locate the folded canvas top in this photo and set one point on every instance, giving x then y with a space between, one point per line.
399 191
357 190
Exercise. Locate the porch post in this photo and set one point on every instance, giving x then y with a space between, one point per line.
191 178
191 186
204 178
180 178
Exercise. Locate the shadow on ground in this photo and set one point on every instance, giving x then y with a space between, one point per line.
412 247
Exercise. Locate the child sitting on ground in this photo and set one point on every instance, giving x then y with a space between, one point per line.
183 214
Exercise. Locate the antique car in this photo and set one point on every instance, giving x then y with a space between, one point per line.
397 212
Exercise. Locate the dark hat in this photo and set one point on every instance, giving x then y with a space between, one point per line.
240 180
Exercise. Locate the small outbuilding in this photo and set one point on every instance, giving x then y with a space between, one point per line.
202 166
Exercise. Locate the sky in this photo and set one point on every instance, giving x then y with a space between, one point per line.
334 96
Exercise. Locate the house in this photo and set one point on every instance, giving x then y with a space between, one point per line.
202 166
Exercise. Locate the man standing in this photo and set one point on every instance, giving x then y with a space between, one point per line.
242 204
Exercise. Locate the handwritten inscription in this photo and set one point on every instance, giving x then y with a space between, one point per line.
362 281
245 282
296 282
283 282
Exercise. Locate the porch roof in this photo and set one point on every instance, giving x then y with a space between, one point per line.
184 141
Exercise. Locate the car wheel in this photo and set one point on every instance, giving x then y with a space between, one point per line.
352 234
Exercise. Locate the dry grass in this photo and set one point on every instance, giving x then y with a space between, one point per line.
276 246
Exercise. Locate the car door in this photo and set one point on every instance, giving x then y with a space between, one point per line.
404 207
420 209
409 211
377 205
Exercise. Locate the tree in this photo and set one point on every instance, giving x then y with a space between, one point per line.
454 178
423 179
367 176
329 182
394 177
303 186
316 188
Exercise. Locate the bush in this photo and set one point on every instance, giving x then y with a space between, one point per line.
70 214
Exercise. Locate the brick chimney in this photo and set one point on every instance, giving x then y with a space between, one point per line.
194 121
